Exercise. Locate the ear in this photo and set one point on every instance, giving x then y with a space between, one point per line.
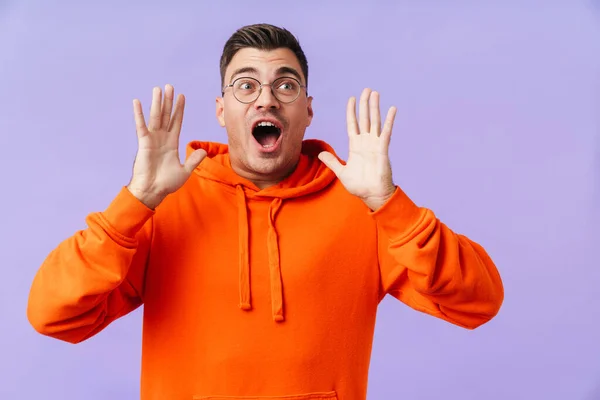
220 111
310 110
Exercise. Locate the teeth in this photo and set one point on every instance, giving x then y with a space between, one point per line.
267 146
265 123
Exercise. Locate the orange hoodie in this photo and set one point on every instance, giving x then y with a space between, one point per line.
259 294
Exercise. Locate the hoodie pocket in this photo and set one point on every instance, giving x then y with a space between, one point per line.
308 396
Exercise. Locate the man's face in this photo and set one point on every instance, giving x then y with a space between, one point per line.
265 136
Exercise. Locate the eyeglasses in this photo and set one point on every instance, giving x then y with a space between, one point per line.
246 90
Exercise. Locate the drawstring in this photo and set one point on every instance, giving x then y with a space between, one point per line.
274 266
273 253
244 285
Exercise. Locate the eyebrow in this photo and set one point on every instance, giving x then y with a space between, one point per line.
289 70
280 71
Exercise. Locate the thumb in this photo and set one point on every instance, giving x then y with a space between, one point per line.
331 162
194 160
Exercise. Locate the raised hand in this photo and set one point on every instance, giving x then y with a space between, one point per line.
368 172
157 170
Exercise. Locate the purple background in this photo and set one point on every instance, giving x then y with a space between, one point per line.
497 132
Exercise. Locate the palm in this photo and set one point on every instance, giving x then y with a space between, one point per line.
162 167
367 173
367 169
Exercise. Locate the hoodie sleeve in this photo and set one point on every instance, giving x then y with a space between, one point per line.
95 276
432 269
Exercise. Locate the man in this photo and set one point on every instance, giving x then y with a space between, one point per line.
260 263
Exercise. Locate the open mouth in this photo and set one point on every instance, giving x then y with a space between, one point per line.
266 133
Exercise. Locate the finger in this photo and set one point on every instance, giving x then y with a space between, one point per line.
155 109
167 106
194 160
375 115
363 112
140 122
177 118
331 162
351 123
386 133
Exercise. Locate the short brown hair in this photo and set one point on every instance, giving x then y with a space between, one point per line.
262 37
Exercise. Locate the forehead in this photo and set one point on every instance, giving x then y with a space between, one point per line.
265 62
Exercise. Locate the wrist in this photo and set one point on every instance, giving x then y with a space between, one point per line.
376 202
150 200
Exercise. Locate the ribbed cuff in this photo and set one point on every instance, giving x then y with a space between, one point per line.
398 216
126 214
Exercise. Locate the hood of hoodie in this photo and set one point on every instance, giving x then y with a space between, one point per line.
309 176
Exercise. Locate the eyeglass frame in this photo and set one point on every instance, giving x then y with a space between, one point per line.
260 88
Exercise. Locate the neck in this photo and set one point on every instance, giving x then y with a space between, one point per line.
263 184
264 180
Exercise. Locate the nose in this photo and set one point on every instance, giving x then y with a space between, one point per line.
266 99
